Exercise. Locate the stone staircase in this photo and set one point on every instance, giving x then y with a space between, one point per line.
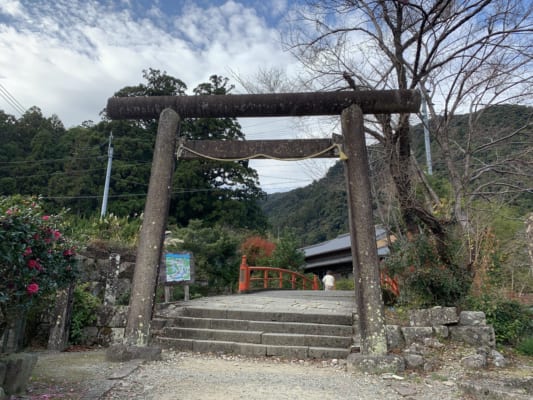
255 333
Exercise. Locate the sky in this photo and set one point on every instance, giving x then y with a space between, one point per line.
67 57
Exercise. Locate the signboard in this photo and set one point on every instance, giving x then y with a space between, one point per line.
178 268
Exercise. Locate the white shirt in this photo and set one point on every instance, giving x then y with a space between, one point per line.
329 281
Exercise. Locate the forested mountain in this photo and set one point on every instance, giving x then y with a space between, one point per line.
318 212
38 156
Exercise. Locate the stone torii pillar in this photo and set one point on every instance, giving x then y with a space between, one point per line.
350 105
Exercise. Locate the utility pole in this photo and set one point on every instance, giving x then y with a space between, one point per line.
107 175
426 134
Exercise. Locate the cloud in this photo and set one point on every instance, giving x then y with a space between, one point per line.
68 57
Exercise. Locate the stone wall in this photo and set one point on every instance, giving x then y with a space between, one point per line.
109 274
428 328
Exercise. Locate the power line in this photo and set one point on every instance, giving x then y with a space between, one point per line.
22 162
11 100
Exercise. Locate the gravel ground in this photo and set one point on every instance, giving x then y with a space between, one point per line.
190 376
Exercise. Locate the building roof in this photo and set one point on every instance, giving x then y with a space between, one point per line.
338 251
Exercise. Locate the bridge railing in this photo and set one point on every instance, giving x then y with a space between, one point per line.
271 277
389 283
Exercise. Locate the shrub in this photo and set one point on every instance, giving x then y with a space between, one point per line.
510 319
344 284
525 346
425 278
83 312
36 258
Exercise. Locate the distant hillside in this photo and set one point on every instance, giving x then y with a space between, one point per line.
316 212
319 212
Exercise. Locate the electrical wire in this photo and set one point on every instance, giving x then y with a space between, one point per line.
11 100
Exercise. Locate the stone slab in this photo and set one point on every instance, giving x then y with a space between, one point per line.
18 370
375 364
433 316
123 353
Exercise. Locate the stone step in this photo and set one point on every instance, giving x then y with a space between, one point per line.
254 332
253 315
251 349
257 337
263 326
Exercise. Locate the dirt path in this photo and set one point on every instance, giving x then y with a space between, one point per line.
189 376
200 377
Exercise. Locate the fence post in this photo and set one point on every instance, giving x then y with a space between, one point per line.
315 282
265 279
244 276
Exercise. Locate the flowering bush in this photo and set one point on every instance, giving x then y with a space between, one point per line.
257 250
35 258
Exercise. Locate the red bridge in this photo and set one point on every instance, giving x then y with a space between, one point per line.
270 278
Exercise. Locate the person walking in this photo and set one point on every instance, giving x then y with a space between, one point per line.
329 281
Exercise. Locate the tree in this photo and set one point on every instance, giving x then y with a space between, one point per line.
211 190
214 249
287 254
473 52
257 250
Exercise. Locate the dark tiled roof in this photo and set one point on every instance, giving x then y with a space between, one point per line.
337 252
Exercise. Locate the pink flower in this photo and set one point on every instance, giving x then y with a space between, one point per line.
32 288
68 252
37 236
45 217
27 252
34 264
56 234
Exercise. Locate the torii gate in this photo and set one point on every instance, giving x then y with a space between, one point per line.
349 105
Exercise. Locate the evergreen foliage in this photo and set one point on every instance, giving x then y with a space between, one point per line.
67 166
215 251
319 212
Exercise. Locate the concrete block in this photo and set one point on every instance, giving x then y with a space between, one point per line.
250 350
498 389
472 318
474 335
283 339
433 316
199 312
18 370
176 344
292 339
375 364
297 352
327 352
441 331
213 346
395 340
416 334
233 324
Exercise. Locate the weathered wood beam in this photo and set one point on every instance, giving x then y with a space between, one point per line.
265 105
258 149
